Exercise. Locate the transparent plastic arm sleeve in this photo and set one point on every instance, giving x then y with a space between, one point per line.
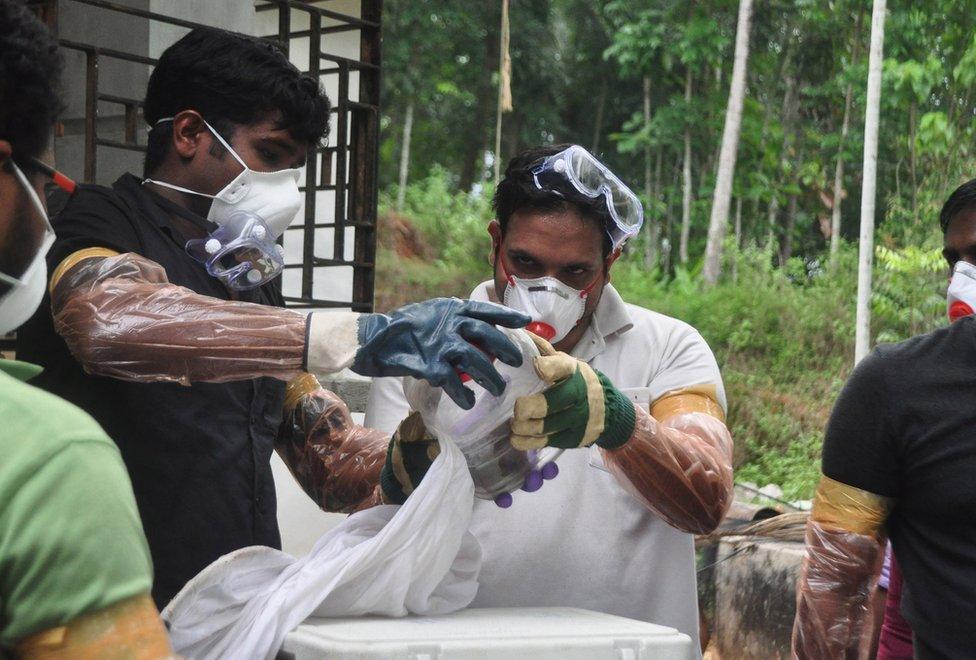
335 461
121 317
678 461
845 548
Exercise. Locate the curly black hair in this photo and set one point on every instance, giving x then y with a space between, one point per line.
962 199
517 192
229 79
30 73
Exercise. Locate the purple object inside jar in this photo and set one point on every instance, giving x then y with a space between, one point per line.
504 500
550 470
533 481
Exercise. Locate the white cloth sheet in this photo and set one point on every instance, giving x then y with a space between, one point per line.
418 558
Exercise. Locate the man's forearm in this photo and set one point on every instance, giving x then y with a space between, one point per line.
122 318
681 468
833 610
845 549
336 461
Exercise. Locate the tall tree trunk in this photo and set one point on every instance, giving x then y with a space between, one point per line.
913 157
653 244
839 165
772 212
601 105
512 135
405 157
668 252
862 340
753 216
738 238
686 181
504 90
473 156
730 145
654 229
738 222
786 244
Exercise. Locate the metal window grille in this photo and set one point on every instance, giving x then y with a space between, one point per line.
337 232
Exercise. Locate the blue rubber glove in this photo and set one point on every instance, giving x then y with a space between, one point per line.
435 339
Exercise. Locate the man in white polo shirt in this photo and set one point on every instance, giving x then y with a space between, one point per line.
638 391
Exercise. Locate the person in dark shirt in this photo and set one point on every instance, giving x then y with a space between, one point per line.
165 319
898 460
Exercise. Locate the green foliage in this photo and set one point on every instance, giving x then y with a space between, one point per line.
780 322
965 71
451 227
452 222
909 297
935 135
782 341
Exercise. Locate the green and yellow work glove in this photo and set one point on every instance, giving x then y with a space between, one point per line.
580 407
411 452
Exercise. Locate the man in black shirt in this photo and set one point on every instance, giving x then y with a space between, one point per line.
165 317
899 458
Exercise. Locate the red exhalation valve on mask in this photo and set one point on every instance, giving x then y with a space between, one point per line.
545 330
958 310
961 294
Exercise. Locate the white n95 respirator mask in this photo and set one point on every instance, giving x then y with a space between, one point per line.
272 196
555 307
961 295
26 288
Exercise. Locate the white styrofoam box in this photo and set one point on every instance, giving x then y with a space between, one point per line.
529 633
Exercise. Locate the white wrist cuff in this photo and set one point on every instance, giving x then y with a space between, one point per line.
331 342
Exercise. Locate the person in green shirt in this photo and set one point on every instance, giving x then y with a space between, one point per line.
75 570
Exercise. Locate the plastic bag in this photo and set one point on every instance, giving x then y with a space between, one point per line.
482 433
417 558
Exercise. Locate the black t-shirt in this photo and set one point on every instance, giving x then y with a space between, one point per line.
199 456
905 427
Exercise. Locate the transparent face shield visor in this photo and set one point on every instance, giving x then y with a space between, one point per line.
30 237
240 253
591 178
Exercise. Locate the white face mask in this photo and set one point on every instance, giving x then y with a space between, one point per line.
25 293
272 196
555 307
961 295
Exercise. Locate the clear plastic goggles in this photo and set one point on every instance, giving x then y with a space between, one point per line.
591 178
240 252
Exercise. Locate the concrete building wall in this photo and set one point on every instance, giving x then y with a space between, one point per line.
234 15
129 34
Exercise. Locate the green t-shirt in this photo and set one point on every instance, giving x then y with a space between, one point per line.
71 541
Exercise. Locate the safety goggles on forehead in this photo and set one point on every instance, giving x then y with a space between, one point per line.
591 178
241 253
37 237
